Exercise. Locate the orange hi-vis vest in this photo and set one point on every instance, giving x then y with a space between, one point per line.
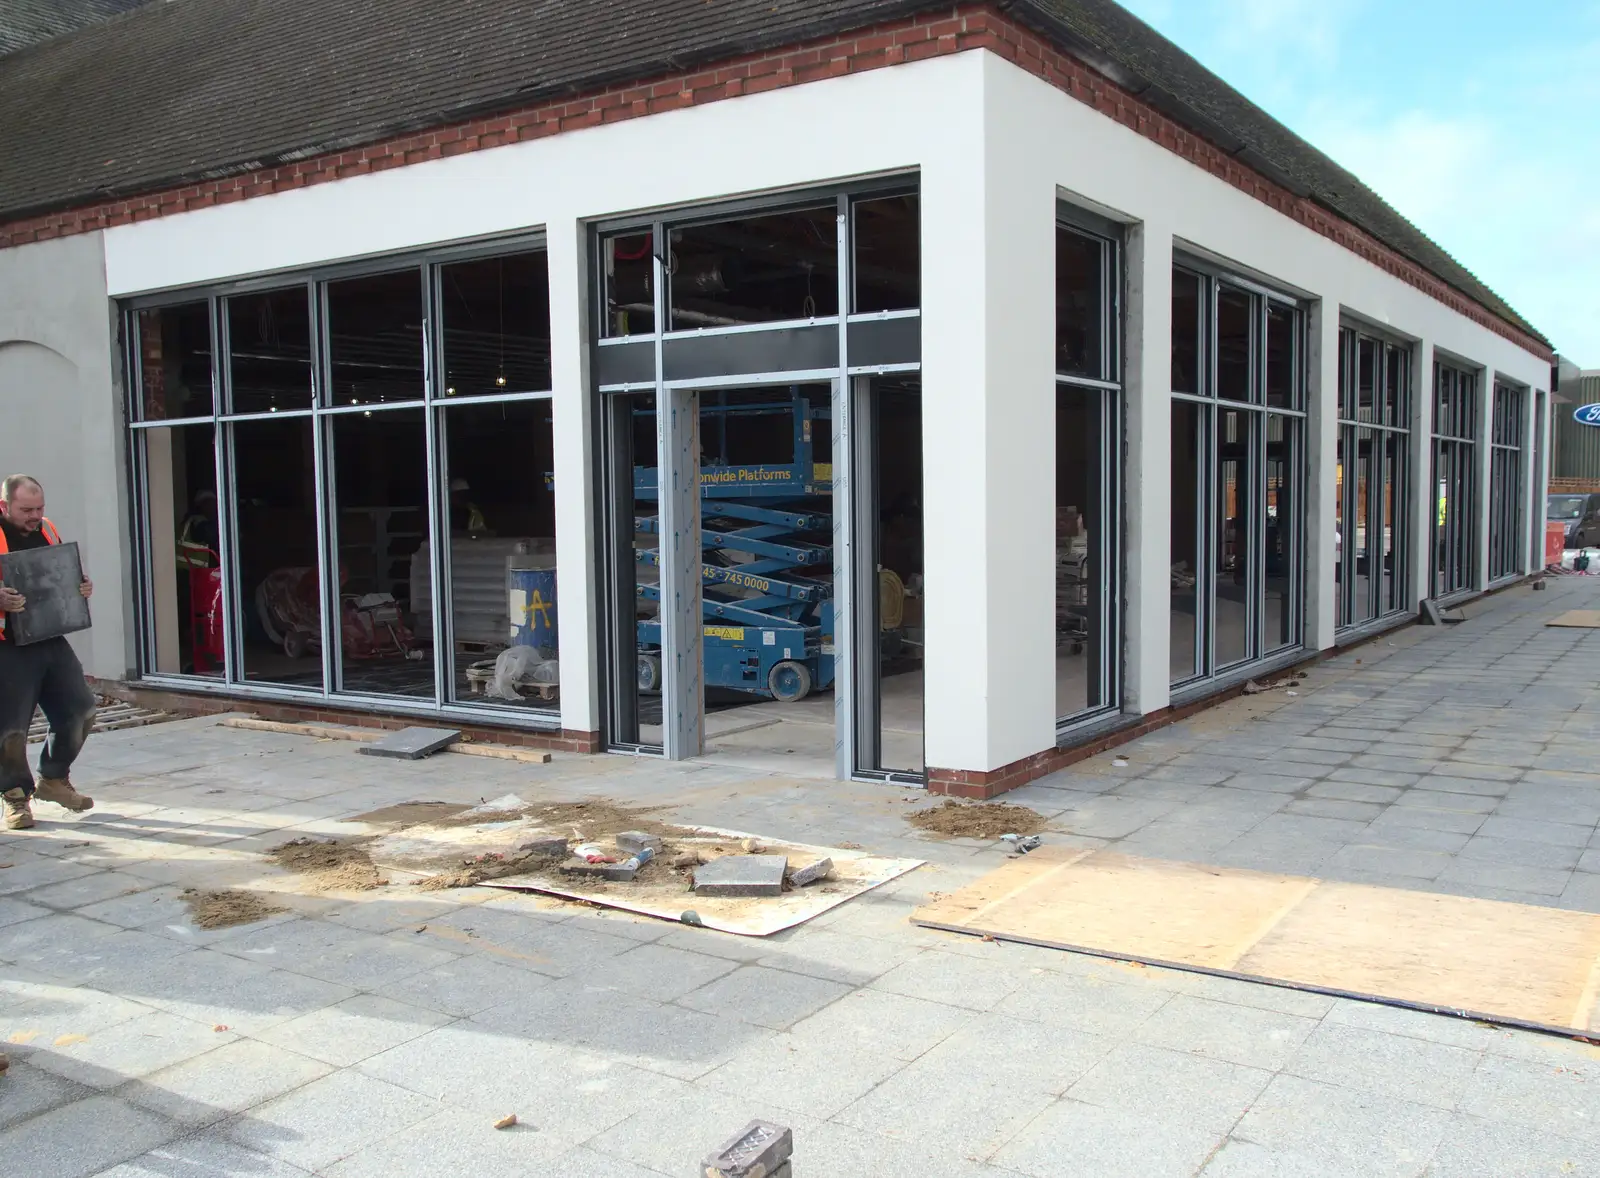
51 536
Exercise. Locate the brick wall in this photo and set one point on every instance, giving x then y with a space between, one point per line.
970 26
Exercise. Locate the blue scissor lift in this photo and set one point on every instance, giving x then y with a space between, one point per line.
767 574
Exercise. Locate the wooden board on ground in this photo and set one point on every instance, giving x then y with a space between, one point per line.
1511 963
1579 619
428 851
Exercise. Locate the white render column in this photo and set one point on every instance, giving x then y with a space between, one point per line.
988 425
1425 487
1322 461
1147 474
576 546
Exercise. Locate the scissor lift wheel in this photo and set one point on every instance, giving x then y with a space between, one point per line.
789 682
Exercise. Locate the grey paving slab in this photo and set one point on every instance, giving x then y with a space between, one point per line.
1563 1100
1106 1141
133 1049
969 1121
1085 1003
768 997
236 1077
1156 1083
1474 1148
83 1138
892 1026
953 979
202 1154
329 1119
1222 1031
455 1141
465 986
29 1091
1383 1065
1560 834
1532 882
353 1030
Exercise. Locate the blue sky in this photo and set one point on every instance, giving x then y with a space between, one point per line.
1477 119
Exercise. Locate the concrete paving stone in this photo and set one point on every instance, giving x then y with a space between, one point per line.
1112 816
559 951
14 911
1582 893
1105 1141
1005 1052
1353 791
1338 744
812 1078
1493 755
465 986
82 1138
1222 801
725 945
1424 818
880 1023
1245 1159
776 998
366 962
43 944
1086 1003
231 1079
1396 1067
1270 782
624 1028
86 889
840 957
1156 1084
329 1119
661 972
355 1029
1410 863
1562 1100
384 914
1473 1147
1445 783
1561 834
552 1085
1313 756
1310 1128
203 1154
28 1091
1334 831
457 1142
26 874
1333 808
1459 766
1415 838
1468 1034
211 988
1482 848
951 978
1178 843
1226 1032
1188 775
1144 788
1364 776
1255 995
1276 853
969 1121
1546 809
1431 799
1403 765
1537 881
129 1050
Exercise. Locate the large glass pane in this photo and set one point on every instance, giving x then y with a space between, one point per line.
175 359
380 483
1347 341
1394 460
1188 463
1234 560
375 338
269 350
1081 304
280 583
180 513
1283 358
496 325
629 284
633 590
1397 386
500 495
1364 548
1282 524
1235 338
1186 331
760 269
1367 372
1083 517
888 253
1341 527
896 490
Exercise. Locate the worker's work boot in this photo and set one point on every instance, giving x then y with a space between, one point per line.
19 815
5 1062
59 790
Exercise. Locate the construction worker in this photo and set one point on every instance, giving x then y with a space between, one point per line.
44 674
465 515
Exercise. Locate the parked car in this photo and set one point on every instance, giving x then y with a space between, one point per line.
1581 514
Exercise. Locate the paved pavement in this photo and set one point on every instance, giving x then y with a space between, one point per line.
337 1040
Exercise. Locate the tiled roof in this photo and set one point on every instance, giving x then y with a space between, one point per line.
27 22
181 90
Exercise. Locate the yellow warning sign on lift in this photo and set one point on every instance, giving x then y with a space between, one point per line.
731 633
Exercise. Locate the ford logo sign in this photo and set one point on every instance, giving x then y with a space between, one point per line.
1587 415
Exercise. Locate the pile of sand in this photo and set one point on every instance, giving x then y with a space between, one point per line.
334 865
977 820
213 910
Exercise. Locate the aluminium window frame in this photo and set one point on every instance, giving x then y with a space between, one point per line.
427 262
1453 544
1209 674
1508 419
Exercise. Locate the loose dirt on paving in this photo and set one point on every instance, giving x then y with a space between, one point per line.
214 910
977 820
332 865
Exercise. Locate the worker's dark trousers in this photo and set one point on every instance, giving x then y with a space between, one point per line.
46 674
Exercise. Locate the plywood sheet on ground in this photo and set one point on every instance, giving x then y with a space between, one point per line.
1512 963
1579 619
426 851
